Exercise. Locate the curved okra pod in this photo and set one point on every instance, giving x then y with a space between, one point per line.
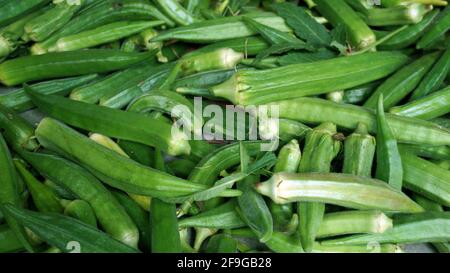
389 162
44 198
353 222
11 10
16 130
359 151
413 228
338 189
406 130
65 64
10 194
85 186
102 35
81 210
402 82
436 30
339 12
59 231
114 123
221 29
322 145
249 87
435 77
41 27
429 107
176 12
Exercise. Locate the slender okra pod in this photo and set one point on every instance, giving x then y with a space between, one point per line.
224 58
406 130
339 12
393 3
413 228
287 129
359 151
221 243
250 46
288 158
432 152
403 82
176 12
16 130
11 10
101 35
437 29
429 107
8 240
338 189
435 77
41 27
248 87
398 15
59 231
85 186
389 162
114 123
44 198
376 248
321 147
81 210
426 203
64 64
353 222
10 194
19 101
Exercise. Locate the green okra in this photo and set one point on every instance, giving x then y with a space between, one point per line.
426 203
338 189
16 130
436 30
288 157
224 58
221 243
359 151
353 222
408 228
322 145
398 15
203 79
432 152
8 240
249 46
176 12
12 10
375 248
82 211
393 3
428 107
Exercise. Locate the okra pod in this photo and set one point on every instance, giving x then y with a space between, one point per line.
176 12
16 130
288 158
429 107
353 222
436 30
101 35
250 46
8 240
406 130
224 58
204 79
393 3
426 203
11 10
432 152
402 82
221 243
81 210
398 15
359 151
66 64
248 87
416 228
375 248
338 189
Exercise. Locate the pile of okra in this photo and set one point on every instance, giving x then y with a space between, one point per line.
338 138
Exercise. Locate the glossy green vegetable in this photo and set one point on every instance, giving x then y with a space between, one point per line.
60 231
176 12
437 29
359 151
338 189
398 15
250 46
65 64
82 211
221 243
389 162
11 10
16 130
415 228
247 87
288 158
224 58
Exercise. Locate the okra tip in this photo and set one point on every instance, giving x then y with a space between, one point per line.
228 90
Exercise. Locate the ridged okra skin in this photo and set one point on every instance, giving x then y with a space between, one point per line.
359 152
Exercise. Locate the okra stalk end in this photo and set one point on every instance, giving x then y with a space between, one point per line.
228 90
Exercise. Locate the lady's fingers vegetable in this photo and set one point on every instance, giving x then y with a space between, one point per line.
429 107
19 101
402 82
353 222
389 162
64 64
365 248
322 145
339 12
425 178
250 46
393 3
11 10
9 194
338 189
406 130
437 29
81 210
176 12
111 216
114 123
101 35
247 87
426 203
8 240
60 231
399 15
359 151
223 58
44 198
221 29
415 228
435 77
431 152
41 27
221 243
16 130
288 158
410 35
